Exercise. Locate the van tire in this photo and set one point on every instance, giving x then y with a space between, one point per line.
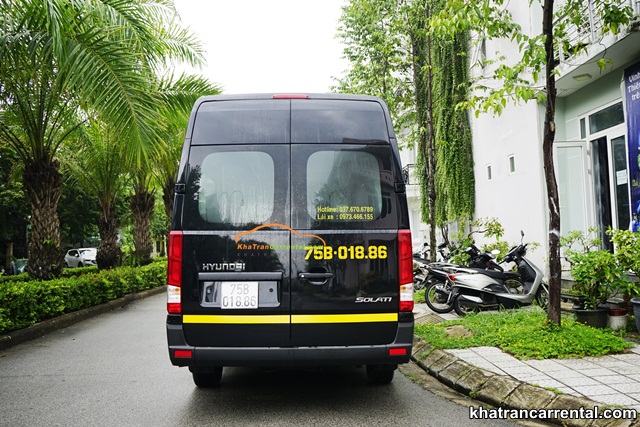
208 379
380 374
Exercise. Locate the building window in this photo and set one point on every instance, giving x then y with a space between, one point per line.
489 173
512 164
606 118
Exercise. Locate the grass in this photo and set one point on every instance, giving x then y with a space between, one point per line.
525 334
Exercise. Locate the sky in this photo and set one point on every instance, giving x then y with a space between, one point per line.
267 46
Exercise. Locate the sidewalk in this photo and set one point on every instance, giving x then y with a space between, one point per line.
589 381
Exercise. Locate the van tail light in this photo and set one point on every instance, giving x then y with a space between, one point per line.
174 273
397 351
405 270
183 354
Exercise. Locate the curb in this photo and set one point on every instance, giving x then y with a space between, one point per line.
504 391
47 326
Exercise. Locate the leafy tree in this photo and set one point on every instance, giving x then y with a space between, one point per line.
62 62
79 212
518 78
421 75
13 207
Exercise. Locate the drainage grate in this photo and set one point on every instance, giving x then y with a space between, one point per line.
428 318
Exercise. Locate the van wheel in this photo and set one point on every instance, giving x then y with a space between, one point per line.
208 379
380 374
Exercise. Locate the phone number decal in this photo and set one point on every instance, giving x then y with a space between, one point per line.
320 253
345 213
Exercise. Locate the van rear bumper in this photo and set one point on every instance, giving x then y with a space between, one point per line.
203 357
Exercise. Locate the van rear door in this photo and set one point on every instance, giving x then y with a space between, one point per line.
344 272
235 224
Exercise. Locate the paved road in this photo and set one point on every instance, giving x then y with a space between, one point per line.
114 370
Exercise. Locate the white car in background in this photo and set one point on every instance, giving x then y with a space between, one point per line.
81 257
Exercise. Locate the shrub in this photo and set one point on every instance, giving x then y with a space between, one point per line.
24 303
597 275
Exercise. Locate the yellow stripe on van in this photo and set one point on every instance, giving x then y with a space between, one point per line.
284 319
237 320
344 318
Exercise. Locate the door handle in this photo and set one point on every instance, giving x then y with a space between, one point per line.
315 278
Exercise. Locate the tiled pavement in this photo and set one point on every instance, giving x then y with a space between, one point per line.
612 379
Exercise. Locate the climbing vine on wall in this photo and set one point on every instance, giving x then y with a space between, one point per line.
422 77
455 182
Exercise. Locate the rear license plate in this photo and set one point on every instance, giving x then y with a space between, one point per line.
239 295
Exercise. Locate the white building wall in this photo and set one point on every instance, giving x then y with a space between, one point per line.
517 199
589 99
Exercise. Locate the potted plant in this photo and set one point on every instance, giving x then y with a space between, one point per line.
597 274
627 244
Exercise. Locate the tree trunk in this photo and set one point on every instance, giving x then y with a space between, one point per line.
168 190
431 149
43 186
549 172
109 252
8 258
142 203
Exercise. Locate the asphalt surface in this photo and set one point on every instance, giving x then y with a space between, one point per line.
486 373
113 369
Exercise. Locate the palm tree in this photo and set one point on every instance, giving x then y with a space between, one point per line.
97 165
177 96
62 62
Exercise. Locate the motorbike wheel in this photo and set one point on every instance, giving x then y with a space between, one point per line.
436 295
461 309
542 298
419 282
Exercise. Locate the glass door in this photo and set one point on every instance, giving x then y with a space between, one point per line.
611 187
622 209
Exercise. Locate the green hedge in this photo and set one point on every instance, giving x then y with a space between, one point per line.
25 303
66 272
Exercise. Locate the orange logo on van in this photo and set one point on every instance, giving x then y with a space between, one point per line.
246 233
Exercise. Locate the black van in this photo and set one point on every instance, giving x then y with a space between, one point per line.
290 242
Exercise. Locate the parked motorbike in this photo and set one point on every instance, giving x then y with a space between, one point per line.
487 289
438 287
421 264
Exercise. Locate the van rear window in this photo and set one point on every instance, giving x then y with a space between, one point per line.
236 187
276 121
333 121
343 186
242 122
